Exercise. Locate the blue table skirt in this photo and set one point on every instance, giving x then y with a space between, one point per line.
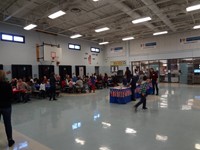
123 96
120 96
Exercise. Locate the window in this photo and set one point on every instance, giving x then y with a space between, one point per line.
74 46
12 38
95 50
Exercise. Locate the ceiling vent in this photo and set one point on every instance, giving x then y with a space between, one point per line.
75 10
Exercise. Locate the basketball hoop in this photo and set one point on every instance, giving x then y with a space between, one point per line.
57 63
52 58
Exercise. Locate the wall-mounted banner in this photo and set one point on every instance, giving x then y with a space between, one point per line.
189 40
117 49
148 45
89 59
118 63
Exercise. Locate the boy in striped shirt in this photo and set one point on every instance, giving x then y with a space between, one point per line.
143 93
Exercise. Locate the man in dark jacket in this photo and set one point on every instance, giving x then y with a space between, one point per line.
133 82
52 87
5 106
154 79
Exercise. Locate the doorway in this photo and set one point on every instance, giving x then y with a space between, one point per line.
1 67
45 70
21 71
96 68
65 69
80 71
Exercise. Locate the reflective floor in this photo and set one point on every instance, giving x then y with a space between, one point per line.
90 122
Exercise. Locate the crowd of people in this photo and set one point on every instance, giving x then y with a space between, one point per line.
143 80
84 84
24 88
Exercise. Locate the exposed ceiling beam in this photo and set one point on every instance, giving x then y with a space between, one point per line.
121 6
93 21
154 8
82 15
102 19
13 10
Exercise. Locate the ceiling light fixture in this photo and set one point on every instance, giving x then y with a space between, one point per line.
103 43
95 0
141 20
57 14
192 8
159 33
30 26
196 27
128 38
75 36
102 29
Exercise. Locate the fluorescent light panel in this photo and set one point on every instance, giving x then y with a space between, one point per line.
196 27
102 29
30 26
159 33
192 8
95 0
57 14
128 38
141 20
75 36
103 43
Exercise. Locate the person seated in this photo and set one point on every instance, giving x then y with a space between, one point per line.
24 89
71 86
99 83
28 92
13 82
63 84
42 90
74 78
92 83
79 84
45 80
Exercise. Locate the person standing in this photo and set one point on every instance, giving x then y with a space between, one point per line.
143 94
5 106
133 82
154 79
52 87
128 74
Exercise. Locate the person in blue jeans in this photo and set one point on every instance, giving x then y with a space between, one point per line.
143 94
5 106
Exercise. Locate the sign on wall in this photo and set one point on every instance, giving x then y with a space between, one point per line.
148 45
190 40
118 63
116 51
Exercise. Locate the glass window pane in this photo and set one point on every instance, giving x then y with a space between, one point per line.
77 47
18 39
71 46
93 49
7 37
97 50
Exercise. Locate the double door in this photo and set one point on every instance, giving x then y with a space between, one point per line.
22 71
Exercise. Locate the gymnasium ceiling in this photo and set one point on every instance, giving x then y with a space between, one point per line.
84 16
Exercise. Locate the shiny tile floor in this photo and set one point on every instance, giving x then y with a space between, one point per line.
90 122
